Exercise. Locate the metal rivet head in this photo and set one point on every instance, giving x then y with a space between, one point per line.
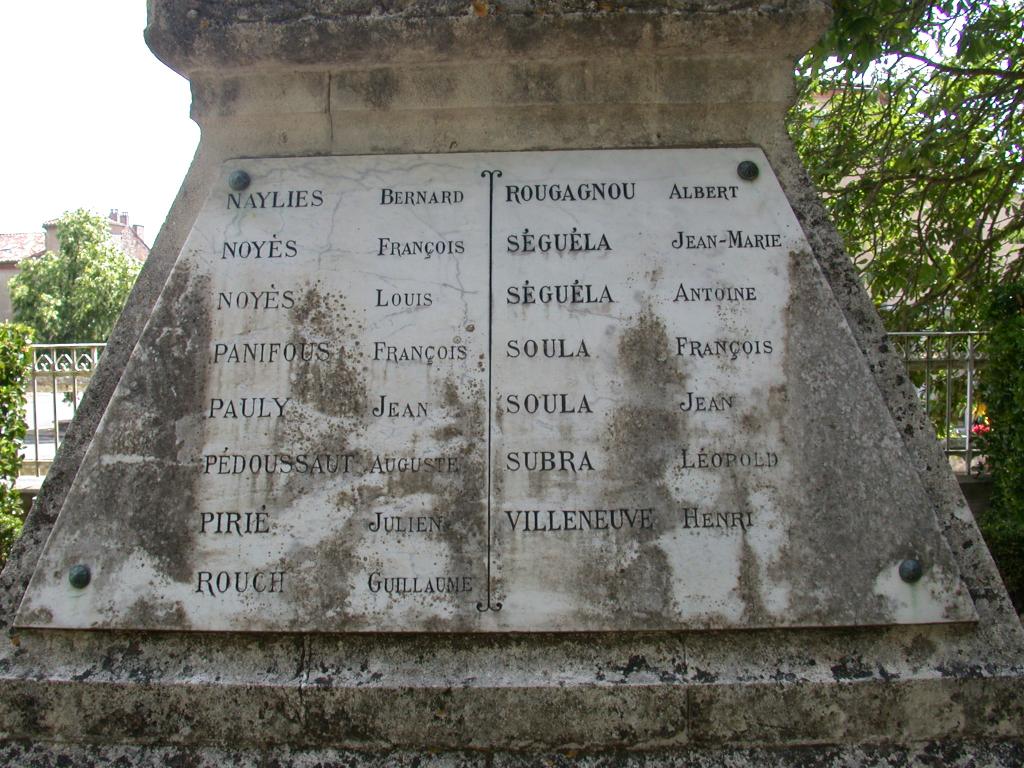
911 570
239 180
748 170
79 576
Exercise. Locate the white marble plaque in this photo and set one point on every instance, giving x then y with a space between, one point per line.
549 391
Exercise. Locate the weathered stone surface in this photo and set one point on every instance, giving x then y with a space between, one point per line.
196 35
957 754
531 391
933 694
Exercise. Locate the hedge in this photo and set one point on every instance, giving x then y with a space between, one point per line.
15 369
1003 442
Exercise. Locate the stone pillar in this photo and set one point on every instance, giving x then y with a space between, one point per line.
272 79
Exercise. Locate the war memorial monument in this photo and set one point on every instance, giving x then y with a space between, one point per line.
497 393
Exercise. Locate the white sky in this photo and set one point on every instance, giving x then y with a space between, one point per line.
90 118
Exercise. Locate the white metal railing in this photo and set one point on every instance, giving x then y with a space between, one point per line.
943 366
59 375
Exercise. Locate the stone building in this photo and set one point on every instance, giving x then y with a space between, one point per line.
17 246
14 248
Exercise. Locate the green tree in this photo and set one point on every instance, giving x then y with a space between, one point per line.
15 366
1003 390
911 123
910 120
76 294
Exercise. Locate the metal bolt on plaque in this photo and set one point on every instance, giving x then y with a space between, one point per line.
747 170
239 180
79 576
911 570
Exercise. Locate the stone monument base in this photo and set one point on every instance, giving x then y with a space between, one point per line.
937 754
272 80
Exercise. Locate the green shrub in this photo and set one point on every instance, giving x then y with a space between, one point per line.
15 365
1003 393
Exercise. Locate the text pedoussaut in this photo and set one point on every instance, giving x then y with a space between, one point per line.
277 463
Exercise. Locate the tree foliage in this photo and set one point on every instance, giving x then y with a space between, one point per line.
1003 391
76 294
15 364
911 123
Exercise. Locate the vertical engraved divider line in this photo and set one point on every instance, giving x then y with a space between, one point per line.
495 605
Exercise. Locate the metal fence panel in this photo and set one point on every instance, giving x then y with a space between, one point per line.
943 366
60 373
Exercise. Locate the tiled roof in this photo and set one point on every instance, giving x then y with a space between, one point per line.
20 245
